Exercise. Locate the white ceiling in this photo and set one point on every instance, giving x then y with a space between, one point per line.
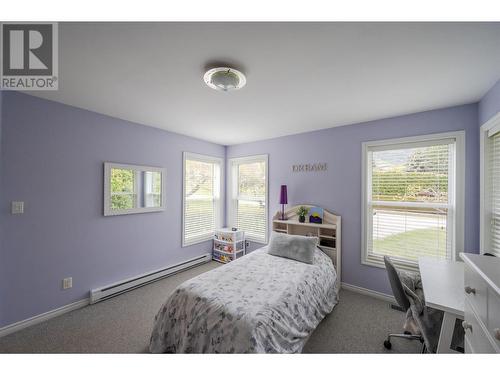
300 76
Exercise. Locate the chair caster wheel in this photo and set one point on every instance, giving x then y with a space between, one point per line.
387 344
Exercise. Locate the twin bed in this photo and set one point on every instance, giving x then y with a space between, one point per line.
260 303
268 301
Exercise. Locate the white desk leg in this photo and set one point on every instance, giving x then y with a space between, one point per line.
446 333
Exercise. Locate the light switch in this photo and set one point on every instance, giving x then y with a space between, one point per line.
68 283
17 208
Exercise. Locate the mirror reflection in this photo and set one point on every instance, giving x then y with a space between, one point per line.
132 189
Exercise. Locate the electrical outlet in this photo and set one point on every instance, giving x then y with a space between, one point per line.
17 208
68 283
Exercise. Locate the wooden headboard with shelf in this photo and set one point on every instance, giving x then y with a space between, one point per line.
329 232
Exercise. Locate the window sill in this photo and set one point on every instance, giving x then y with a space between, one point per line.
196 241
378 261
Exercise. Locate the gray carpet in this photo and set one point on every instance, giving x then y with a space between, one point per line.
358 324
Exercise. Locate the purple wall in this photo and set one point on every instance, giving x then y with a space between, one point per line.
489 105
52 157
3 286
339 189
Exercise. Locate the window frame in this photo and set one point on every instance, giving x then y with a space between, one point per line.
108 166
232 200
459 187
219 202
492 124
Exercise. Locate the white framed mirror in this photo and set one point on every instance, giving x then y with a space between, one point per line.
133 189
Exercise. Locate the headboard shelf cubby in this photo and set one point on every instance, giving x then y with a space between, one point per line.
328 233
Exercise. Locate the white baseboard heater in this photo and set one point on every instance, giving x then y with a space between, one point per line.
109 291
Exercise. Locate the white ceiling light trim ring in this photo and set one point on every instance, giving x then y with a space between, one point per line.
225 79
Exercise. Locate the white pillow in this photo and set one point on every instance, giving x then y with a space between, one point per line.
300 248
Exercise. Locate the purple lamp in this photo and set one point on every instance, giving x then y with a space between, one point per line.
283 201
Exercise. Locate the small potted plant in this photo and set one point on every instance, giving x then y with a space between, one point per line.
302 212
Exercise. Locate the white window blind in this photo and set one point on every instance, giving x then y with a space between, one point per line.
410 200
494 189
248 200
202 191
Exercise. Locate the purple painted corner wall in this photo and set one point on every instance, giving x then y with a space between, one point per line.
52 159
339 188
2 260
489 105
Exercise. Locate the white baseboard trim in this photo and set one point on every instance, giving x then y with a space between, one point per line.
369 292
14 327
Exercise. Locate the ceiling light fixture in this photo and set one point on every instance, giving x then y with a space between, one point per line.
225 79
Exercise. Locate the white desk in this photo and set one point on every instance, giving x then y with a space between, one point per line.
443 283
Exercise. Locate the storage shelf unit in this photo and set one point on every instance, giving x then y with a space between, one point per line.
328 233
228 245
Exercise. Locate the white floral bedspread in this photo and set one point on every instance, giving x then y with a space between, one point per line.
259 303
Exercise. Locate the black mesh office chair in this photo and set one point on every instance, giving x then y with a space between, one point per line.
403 302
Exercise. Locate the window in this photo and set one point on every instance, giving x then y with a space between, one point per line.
131 189
247 198
201 197
152 189
123 189
413 198
490 187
